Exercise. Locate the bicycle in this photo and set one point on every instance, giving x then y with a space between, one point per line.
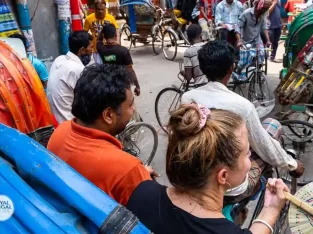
256 78
128 39
302 136
140 140
169 99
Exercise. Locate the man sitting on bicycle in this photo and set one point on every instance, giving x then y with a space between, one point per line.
251 24
191 62
103 105
216 60
226 16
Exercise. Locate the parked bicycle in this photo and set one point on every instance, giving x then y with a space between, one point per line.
140 139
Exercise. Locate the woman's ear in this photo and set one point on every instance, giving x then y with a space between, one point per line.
222 176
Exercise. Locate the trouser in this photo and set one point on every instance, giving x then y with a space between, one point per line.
274 128
274 35
205 29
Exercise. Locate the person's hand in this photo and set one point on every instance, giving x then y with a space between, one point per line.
299 171
239 44
137 91
224 26
274 194
268 44
152 172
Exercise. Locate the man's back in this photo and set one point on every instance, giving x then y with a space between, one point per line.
64 73
191 61
114 54
99 157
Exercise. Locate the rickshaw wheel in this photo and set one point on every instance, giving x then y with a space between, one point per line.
126 37
157 36
169 45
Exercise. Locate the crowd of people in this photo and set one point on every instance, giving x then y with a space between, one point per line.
217 148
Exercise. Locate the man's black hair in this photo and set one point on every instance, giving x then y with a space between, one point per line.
22 37
79 39
215 59
100 86
193 32
108 31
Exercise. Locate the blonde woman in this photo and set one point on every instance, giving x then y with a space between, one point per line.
207 157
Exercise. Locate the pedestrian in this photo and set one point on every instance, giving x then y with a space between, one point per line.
64 73
226 16
206 15
94 23
39 66
275 27
112 52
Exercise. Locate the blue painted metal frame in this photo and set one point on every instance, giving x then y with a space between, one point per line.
48 195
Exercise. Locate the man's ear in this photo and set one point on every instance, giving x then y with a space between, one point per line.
108 116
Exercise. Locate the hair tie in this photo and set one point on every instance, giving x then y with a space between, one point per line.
203 112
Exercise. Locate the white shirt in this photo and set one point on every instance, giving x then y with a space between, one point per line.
64 73
217 95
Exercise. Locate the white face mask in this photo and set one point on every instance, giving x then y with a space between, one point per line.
238 190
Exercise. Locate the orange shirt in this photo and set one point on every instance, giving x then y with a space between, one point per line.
99 157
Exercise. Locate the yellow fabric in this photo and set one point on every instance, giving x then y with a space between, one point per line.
95 25
177 12
182 21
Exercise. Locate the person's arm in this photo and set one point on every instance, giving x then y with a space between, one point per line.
264 28
238 27
87 25
201 4
43 73
188 66
129 63
218 15
274 202
264 145
272 6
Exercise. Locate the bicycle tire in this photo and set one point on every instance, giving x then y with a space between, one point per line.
155 33
134 128
173 43
237 89
259 81
126 30
157 102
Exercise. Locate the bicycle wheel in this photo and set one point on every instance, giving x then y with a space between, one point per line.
126 37
238 89
259 89
168 100
169 45
141 140
157 39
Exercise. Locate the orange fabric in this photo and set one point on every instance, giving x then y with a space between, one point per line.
290 7
23 103
98 156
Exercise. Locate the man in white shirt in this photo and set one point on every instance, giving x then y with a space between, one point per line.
64 73
216 61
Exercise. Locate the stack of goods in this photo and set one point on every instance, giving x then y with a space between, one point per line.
297 87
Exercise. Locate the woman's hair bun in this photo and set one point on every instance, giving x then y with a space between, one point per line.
185 121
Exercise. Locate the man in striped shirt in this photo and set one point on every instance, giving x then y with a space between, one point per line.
191 62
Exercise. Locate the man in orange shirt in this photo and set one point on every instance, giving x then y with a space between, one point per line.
103 105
